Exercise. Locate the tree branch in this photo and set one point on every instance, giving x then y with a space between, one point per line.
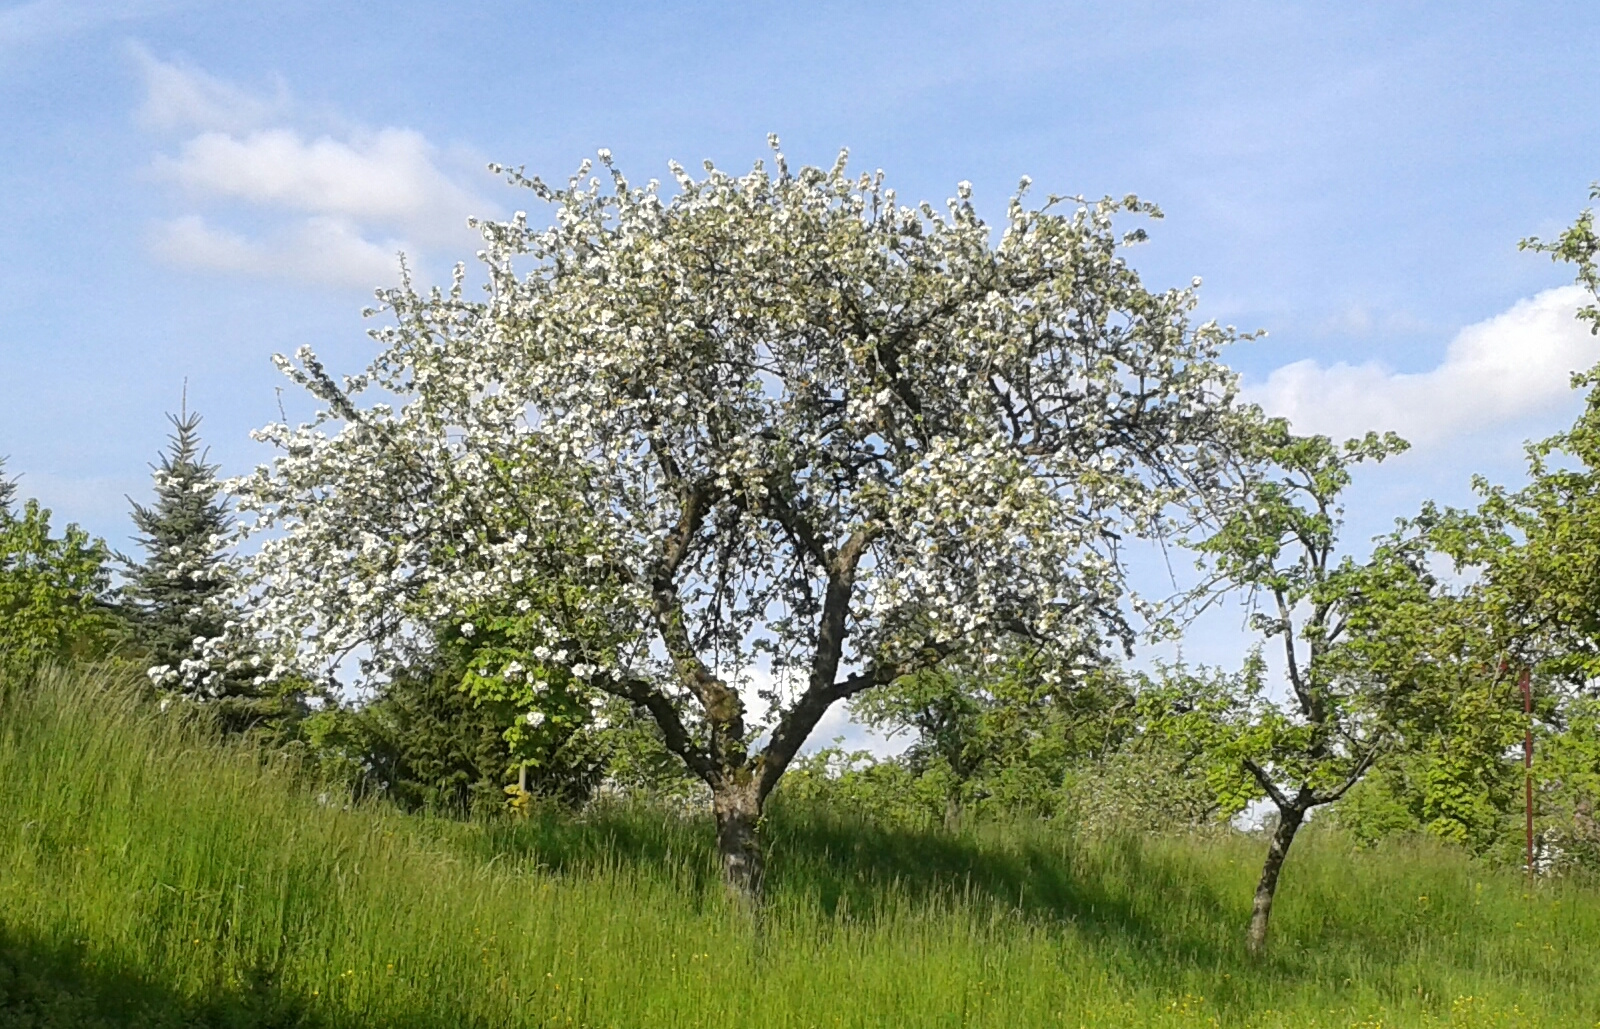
723 707
797 722
674 733
1283 802
795 523
1296 680
1353 778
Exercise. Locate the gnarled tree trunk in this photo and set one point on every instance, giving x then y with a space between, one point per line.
737 807
1289 821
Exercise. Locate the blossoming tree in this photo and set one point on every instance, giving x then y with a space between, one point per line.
773 421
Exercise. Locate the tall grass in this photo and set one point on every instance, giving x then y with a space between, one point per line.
152 876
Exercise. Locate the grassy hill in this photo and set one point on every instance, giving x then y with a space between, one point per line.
152 877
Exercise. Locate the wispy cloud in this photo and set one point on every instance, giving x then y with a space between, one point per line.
339 205
1498 371
177 97
383 178
43 21
318 251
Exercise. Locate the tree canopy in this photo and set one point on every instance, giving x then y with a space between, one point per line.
776 420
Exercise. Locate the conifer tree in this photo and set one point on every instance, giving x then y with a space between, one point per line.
176 593
8 491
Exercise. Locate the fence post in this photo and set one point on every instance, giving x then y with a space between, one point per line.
1527 759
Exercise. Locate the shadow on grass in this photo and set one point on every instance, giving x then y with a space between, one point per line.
1154 916
854 868
50 984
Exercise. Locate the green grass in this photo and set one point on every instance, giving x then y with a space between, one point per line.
149 876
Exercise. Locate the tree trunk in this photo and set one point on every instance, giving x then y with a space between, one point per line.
952 813
1288 824
738 812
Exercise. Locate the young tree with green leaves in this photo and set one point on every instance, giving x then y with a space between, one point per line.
1357 638
55 591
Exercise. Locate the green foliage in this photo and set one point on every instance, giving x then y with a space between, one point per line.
429 744
530 688
445 737
889 792
1356 636
1004 731
1008 739
1578 246
1457 778
1381 806
1537 549
1567 782
150 876
1534 557
1465 785
55 592
1203 715
638 763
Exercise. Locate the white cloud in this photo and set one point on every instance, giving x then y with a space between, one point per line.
320 251
1511 366
386 178
339 206
178 97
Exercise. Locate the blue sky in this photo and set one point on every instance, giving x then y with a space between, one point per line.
189 187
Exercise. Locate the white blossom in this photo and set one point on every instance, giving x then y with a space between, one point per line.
778 417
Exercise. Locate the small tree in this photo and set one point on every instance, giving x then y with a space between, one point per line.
55 597
178 593
775 423
1361 641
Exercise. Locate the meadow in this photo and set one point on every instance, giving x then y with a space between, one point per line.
153 875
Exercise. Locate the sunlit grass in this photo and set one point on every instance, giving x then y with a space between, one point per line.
149 876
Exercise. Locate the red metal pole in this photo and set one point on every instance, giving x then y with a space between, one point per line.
1527 759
